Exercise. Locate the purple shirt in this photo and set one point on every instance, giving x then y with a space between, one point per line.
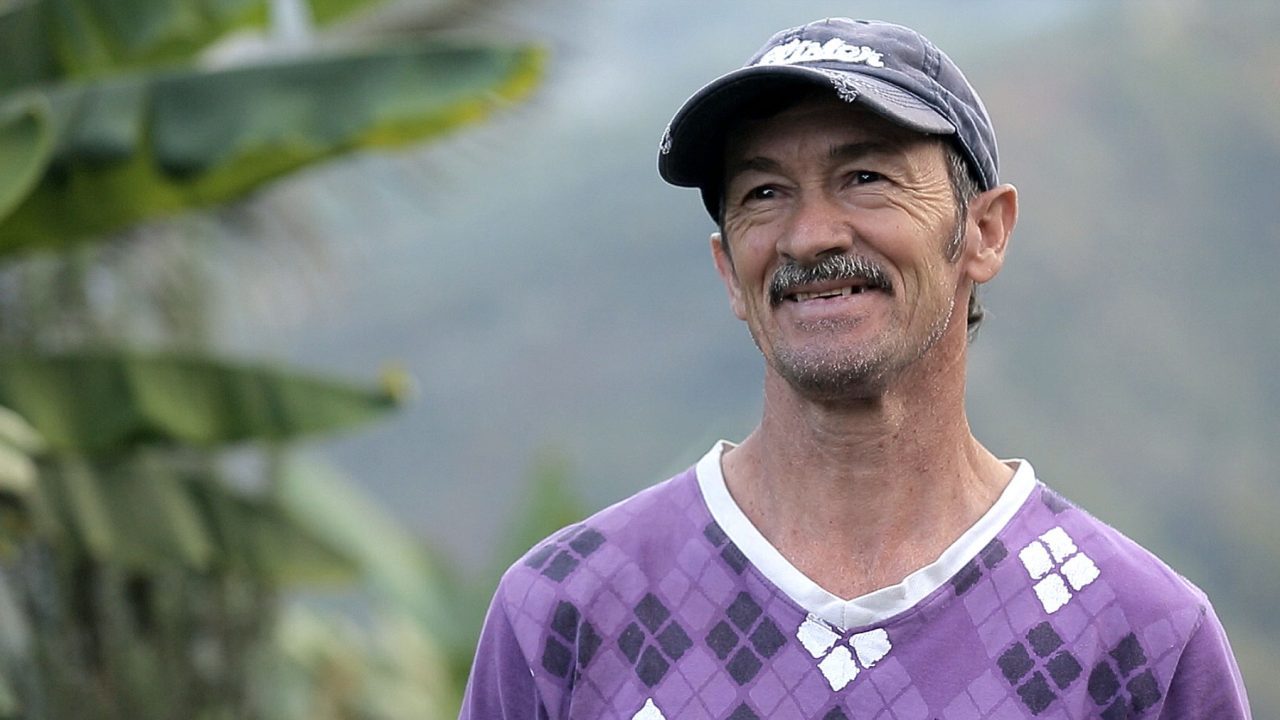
671 605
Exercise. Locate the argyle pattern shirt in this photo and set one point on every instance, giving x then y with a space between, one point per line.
671 605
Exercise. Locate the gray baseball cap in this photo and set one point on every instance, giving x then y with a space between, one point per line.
890 69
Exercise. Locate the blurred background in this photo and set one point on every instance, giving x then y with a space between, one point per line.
445 217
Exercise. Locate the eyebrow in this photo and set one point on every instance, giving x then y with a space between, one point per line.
839 153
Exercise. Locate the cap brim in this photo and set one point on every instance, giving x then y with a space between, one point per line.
691 150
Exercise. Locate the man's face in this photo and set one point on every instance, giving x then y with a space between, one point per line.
840 228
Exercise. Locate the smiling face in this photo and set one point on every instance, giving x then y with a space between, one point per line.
839 235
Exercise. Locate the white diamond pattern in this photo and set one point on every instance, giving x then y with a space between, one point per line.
1060 544
816 636
1053 593
1054 561
839 667
649 712
1036 560
871 646
841 658
1080 571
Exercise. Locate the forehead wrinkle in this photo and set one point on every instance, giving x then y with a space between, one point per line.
758 163
879 138
864 148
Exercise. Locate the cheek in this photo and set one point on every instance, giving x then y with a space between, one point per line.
728 267
749 260
752 244
925 217
927 273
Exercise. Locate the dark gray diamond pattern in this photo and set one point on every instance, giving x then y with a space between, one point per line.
654 641
568 630
1055 502
1123 683
728 551
746 637
972 572
1035 666
560 555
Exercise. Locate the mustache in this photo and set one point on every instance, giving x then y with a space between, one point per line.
832 267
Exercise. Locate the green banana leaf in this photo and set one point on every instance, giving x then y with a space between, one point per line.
144 514
106 402
137 512
322 667
15 642
23 511
394 562
18 441
257 537
49 40
26 55
137 147
79 505
18 433
26 146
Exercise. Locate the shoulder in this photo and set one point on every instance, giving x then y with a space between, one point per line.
1085 549
1142 633
620 549
1086 572
649 520
1113 620
592 580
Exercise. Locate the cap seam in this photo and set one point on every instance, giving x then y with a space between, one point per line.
932 65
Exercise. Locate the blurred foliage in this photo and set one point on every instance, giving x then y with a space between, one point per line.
132 147
143 574
318 669
26 143
105 142
98 401
46 40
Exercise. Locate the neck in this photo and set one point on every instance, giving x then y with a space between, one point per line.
858 494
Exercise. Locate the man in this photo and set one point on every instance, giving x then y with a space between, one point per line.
860 554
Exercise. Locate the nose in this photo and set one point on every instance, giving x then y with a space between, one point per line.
817 227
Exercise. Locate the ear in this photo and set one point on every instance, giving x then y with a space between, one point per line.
729 276
993 214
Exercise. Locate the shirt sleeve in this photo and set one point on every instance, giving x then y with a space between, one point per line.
1207 681
501 685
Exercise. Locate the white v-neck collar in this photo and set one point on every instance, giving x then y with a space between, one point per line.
879 605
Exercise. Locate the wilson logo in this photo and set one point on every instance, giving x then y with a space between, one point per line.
804 51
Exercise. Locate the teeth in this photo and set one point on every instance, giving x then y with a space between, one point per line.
838 292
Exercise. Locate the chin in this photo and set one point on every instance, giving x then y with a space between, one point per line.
832 379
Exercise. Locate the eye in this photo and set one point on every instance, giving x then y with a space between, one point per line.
760 192
863 177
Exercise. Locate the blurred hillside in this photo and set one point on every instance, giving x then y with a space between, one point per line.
1143 380
570 306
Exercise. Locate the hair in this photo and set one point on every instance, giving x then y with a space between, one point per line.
964 188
